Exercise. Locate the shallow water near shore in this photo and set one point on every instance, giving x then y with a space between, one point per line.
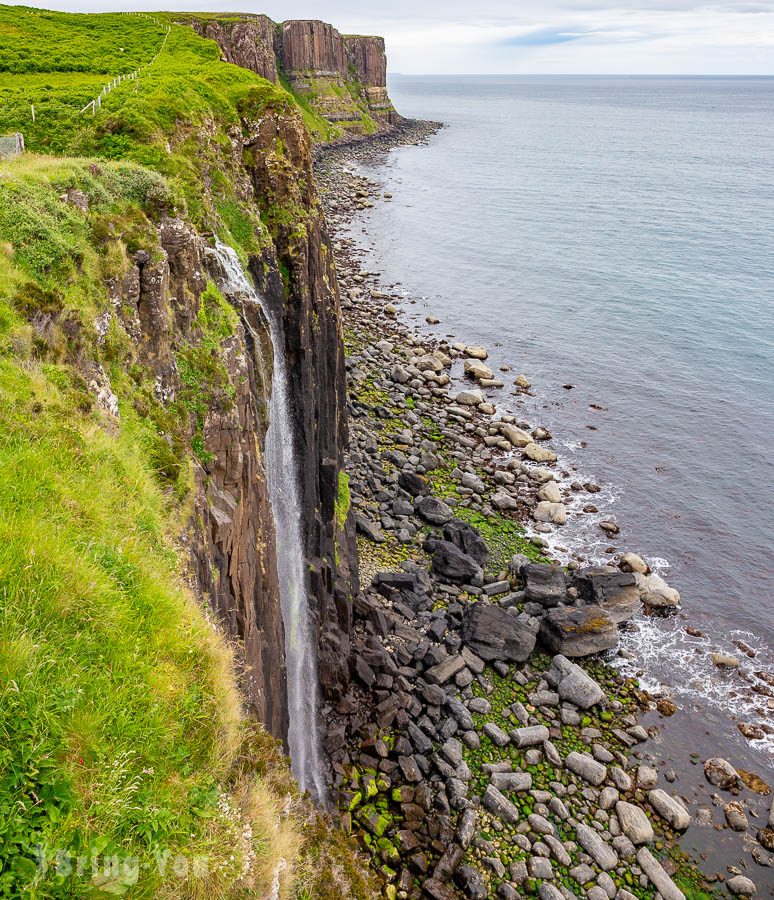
618 235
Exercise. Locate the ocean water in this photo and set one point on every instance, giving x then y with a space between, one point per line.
617 234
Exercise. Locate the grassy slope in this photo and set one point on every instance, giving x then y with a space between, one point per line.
120 726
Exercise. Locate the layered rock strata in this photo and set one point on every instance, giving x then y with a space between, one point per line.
342 76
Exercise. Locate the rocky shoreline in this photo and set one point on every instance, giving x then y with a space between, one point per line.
472 755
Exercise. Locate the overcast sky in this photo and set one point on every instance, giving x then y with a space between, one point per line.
533 36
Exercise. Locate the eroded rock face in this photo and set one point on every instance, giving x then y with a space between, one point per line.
230 536
310 308
309 45
249 43
316 59
367 56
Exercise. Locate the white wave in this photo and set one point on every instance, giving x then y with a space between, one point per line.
665 658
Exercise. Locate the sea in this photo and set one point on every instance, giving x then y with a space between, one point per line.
612 239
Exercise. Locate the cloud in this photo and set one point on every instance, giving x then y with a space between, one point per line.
542 37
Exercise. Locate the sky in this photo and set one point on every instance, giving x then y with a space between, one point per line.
659 37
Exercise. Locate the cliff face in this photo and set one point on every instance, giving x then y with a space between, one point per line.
249 43
279 150
369 59
231 534
309 45
341 78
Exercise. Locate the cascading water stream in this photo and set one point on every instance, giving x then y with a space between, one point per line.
282 478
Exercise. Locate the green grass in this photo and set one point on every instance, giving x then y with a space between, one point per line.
120 720
37 40
174 118
121 732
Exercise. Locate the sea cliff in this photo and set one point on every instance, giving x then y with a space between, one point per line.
468 746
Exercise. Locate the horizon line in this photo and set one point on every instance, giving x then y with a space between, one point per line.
577 75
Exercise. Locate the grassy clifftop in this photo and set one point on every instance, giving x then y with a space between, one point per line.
119 715
127 766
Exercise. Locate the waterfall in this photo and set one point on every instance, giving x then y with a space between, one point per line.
282 477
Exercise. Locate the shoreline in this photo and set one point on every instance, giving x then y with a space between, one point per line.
361 291
745 694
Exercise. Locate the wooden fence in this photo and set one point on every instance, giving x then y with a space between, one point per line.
96 103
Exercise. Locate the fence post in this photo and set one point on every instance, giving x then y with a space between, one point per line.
32 109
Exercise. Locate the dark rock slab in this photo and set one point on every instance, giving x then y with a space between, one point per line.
372 530
413 484
433 510
578 631
389 582
467 538
493 633
544 584
444 670
615 592
451 564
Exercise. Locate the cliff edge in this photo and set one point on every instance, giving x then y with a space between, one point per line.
340 81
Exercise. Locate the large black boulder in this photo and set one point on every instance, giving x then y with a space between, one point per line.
493 633
615 592
467 538
544 584
452 565
578 630
433 510
413 484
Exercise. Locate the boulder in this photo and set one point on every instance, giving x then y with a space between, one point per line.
725 660
445 669
512 781
544 584
493 633
500 806
657 876
413 484
372 530
476 369
578 631
476 352
472 482
602 854
399 374
741 886
450 563
555 513
388 583
573 684
504 501
655 592
615 592
721 773
539 454
516 436
550 492
585 766
466 828
470 397
531 736
634 823
630 562
467 538
433 510
472 883
670 809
